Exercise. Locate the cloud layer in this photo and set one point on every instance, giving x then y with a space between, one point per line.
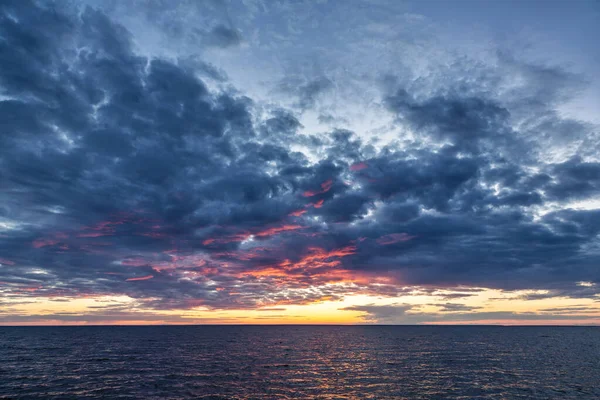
125 174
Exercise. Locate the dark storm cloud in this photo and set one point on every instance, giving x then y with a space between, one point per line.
123 174
465 121
575 180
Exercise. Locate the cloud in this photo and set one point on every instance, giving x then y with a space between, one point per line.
141 278
222 36
137 175
405 314
382 313
455 307
306 91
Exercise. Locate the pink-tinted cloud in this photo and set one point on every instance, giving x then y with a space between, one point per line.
39 243
325 186
394 238
236 237
138 221
141 278
277 229
297 213
263 233
134 261
315 258
93 234
102 228
358 166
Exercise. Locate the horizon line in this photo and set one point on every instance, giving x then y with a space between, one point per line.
266 325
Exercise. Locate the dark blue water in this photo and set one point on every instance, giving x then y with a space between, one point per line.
300 362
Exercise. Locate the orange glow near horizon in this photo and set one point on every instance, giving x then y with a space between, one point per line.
85 311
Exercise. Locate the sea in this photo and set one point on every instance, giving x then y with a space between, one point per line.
299 362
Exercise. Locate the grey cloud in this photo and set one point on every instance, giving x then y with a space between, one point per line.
222 36
405 314
306 91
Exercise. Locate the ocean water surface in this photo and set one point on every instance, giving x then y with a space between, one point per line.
300 362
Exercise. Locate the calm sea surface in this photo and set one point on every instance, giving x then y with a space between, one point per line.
308 362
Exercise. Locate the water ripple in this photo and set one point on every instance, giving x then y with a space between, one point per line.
299 362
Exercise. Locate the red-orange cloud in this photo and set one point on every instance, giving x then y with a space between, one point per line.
141 278
325 186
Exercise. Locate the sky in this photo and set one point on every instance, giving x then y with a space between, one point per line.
299 162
